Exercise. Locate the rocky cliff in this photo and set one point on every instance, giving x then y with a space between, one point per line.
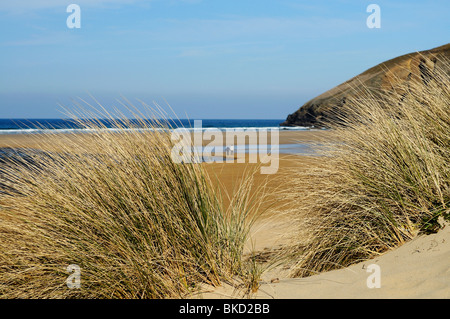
387 76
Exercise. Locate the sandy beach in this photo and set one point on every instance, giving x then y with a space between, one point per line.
190 150
226 175
418 269
285 137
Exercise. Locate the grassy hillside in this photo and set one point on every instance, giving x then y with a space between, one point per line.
390 76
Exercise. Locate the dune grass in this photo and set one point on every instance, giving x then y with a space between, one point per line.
385 181
114 203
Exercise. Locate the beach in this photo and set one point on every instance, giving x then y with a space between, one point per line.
285 137
228 174
243 150
417 269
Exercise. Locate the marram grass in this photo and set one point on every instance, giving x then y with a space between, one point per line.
114 203
386 180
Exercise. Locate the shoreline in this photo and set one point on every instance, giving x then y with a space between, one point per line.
285 137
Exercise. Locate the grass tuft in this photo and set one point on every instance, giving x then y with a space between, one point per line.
384 181
114 203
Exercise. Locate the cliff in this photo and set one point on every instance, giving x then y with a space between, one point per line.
387 76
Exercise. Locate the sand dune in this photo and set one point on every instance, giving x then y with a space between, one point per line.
418 269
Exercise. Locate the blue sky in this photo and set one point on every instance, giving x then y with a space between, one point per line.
206 58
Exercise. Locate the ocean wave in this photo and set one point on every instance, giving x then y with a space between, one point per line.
92 130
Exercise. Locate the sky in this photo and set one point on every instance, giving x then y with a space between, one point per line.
205 59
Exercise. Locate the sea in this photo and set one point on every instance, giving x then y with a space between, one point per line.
34 126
